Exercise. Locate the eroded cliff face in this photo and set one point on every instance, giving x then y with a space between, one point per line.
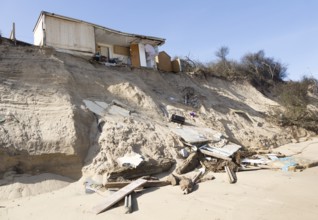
46 127
40 130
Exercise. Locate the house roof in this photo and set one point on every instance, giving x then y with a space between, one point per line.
157 40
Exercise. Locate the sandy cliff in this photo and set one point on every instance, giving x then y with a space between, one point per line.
46 126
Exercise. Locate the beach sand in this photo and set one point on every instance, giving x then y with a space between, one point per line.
263 194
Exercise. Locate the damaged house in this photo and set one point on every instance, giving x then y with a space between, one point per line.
79 37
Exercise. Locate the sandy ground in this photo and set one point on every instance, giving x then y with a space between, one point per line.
264 194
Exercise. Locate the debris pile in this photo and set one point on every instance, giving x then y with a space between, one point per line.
204 151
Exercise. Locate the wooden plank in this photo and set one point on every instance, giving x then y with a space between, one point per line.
128 203
121 50
212 154
231 175
189 164
150 183
117 196
144 169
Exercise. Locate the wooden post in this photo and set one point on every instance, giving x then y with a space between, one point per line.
231 175
12 35
128 204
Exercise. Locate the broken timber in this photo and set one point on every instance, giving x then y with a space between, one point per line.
149 183
214 154
117 196
189 164
231 175
128 204
144 169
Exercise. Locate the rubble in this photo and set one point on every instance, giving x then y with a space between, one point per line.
186 185
189 164
117 196
146 168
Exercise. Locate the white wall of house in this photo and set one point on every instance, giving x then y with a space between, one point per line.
142 55
38 33
61 33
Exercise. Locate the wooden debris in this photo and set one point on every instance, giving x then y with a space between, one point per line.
196 177
189 164
186 185
173 180
149 183
243 168
146 168
216 155
206 177
128 204
117 196
231 174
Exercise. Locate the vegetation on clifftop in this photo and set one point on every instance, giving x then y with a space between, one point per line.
267 75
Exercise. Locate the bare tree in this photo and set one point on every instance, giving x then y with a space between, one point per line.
263 67
222 52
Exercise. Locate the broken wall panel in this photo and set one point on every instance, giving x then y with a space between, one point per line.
121 50
164 62
176 66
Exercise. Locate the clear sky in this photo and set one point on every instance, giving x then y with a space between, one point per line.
285 29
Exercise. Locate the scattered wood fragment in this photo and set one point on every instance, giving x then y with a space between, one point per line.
213 154
117 196
243 168
149 183
206 177
128 204
189 164
173 180
196 177
146 168
186 185
231 174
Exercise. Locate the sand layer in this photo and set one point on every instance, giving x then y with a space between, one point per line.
263 194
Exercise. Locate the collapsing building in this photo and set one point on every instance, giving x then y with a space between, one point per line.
75 36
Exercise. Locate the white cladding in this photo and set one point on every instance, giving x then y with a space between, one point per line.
142 55
38 33
61 33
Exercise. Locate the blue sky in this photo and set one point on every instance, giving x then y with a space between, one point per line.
285 29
